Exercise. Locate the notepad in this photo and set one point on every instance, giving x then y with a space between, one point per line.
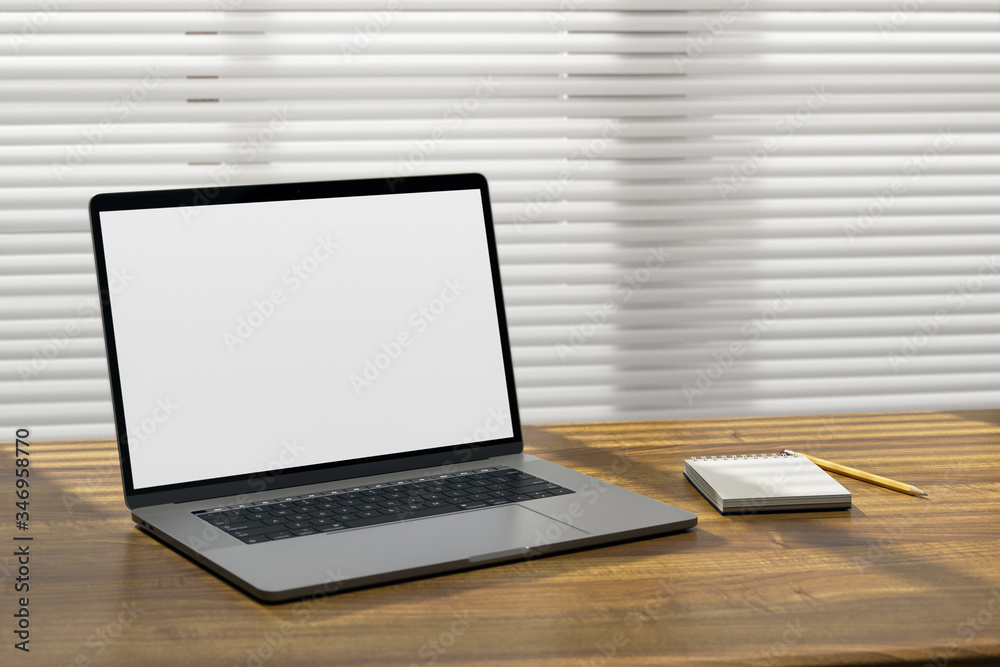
765 483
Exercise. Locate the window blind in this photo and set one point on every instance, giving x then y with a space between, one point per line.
711 208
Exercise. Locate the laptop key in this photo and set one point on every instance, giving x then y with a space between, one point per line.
526 490
264 530
370 521
280 536
241 526
528 481
328 506
329 527
428 511
472 505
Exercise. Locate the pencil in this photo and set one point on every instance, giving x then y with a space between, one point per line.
863 476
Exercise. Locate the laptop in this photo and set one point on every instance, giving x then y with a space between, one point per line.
313 389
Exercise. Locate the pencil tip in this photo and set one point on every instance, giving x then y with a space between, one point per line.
918 491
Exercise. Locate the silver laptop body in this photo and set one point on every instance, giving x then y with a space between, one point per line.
313 388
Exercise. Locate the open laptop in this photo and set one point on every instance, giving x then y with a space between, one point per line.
313 388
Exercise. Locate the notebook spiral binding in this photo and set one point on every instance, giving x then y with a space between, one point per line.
741 457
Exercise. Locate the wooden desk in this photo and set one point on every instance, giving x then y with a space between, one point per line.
897 579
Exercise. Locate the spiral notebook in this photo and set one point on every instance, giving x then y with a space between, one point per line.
765 483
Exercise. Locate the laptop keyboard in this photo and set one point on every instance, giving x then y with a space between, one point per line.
362 506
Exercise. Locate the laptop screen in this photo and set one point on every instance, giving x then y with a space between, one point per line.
272 335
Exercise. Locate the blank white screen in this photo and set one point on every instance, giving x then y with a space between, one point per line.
244 332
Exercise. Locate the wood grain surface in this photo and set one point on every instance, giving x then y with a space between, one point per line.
895 580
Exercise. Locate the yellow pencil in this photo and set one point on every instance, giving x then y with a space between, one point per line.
863 476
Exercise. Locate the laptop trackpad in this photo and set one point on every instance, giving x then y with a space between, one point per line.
477 536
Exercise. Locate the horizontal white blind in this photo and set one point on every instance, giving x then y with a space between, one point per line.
705 207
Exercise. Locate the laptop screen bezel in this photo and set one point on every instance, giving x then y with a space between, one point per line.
274 480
